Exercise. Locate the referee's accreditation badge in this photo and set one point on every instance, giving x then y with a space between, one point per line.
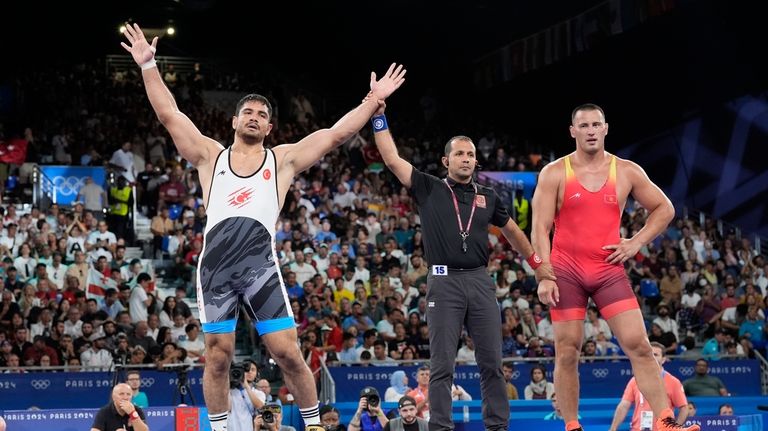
480 201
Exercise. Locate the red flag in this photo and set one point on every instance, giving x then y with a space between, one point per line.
13 151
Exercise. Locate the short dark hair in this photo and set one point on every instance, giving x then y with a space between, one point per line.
253 97
587 107
449 144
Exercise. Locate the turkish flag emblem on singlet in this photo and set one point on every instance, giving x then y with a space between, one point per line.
609 199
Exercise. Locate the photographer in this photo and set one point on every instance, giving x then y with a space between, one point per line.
330 417
369 416
271 419
244 402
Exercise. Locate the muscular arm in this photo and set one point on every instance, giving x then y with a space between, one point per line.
192 145
543 207
399 166
620 414
305 153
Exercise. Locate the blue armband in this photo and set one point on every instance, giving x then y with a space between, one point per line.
379 123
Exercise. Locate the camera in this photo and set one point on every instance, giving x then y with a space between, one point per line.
268 413
371 395
236 376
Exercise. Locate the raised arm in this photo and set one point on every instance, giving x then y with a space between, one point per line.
386 145
191 144
305 153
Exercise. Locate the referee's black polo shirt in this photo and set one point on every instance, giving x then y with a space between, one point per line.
440 227
108 419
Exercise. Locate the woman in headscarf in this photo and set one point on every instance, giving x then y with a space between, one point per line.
398 387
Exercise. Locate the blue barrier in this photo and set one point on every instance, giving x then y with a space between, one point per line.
596 414
598 379
75 390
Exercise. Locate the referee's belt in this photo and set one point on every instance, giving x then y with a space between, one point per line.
451 268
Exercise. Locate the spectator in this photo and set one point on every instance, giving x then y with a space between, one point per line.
140 300
555 414
539 388
691 409
725 409
509 370
194 343
398 387
702 384
97 356
466 354
408 419
715 347
139 398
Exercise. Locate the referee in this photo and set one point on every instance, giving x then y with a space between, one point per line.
455 213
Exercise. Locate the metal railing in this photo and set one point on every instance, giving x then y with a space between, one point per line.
42 186
763 372
327 393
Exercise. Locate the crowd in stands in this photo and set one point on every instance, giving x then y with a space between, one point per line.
349 244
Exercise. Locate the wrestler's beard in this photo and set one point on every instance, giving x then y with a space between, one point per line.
249 137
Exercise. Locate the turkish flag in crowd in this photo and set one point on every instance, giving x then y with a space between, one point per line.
13 151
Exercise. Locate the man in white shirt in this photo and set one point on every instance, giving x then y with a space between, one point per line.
139 300
57 272
304 271
73 325
466 354
321 259
123 158
102 238
194 342
97 355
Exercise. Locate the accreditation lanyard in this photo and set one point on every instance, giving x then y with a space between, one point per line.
463 233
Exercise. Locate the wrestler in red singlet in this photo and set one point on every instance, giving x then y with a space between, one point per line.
585 223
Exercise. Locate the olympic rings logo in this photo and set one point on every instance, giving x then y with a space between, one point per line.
600 373
147 382
67 186
686 371
40 384
515 374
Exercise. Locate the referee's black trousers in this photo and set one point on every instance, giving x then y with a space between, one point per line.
468 298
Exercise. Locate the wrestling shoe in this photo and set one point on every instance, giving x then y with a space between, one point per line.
669 424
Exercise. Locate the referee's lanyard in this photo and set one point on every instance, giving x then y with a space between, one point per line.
463 233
